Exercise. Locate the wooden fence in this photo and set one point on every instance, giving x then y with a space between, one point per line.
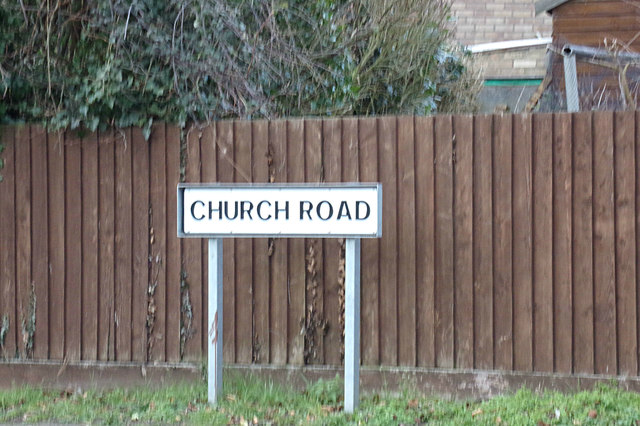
509 243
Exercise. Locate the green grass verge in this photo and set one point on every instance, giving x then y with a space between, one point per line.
257 402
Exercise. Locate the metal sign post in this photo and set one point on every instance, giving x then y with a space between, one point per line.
214 371
352 325
215 211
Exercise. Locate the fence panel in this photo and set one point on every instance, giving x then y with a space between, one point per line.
509 242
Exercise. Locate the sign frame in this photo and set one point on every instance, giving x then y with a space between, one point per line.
182 187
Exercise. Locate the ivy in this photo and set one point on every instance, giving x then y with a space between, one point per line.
96 63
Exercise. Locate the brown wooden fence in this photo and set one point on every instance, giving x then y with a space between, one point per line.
509 243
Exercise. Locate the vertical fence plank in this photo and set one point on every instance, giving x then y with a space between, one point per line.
156 340
637 223
350 150
625 204
333 310
23 241
191 332
562 253
261 275
73 250
387 151
407 350
7 242
55 144
582 243
296 281
106 243
279 257
90 247
140 234
173 313
315 320
39 240
370 335
483 243
522 244
425 233
209 173
244 258
463 239
227 174
503 243
444 263
123 246
604 244
543 243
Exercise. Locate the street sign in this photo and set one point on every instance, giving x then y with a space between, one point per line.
321 211
217 211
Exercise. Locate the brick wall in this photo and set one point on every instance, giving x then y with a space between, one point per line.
501 20
498 20
516 63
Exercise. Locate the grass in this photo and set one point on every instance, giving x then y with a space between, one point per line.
257 402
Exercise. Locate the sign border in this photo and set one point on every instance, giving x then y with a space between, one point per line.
338 185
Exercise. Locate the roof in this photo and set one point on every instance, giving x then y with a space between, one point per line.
547 5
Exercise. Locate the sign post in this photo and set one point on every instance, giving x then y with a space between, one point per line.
214 373
352 325
217 211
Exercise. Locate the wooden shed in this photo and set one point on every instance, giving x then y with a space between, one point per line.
610 30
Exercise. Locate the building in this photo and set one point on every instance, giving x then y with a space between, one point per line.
602 38
509 42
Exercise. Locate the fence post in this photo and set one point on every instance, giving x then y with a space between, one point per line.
571 80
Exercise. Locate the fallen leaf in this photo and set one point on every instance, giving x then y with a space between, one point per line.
593 414
477 412
413 404
498 420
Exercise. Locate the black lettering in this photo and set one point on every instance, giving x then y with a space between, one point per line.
285 210
259 210
358 203
246 207
235 210
306 209
319 209
211 209
343 211
193 210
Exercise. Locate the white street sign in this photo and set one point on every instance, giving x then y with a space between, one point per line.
329 211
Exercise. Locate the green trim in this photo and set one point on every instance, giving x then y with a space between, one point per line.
513 82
